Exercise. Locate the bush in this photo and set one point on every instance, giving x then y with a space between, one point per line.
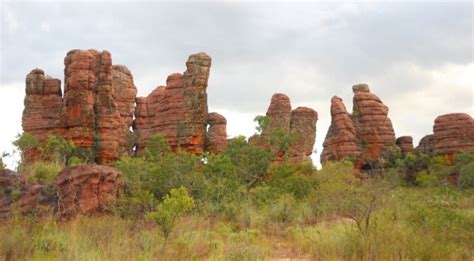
252 162
466 176
222 182
173 207
42 172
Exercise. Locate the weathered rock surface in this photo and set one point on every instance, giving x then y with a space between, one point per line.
365 135
43 105
36 199
91 114
279 114
373 127
452 133
177 110
405 143
125 94
341 138
217 133
303 125
88 189
426 145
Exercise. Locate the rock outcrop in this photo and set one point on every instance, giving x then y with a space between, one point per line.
217 133
366 135
405 143
88 189
177 110
279 114
373 127
10 186
303 125
90 113
341 139
301 122
452 133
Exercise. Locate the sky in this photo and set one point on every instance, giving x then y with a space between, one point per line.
416 56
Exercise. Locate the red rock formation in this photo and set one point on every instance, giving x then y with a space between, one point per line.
279 114
88 189
426 145
217 133
177 110
373 127
452 133
125 94
301 122
366 135
43 103
91 113
303 125
405 143
341 138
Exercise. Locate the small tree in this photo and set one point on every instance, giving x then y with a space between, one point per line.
173 207
157 147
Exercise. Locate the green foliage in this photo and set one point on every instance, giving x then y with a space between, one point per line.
223 182
157 147
287 178
42 172
466 176
281 141
424 179
262 122
173 207
25 142
59 150
252 162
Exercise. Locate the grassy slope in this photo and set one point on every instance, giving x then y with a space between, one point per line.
414 223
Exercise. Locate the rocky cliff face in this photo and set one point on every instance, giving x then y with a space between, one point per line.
365 135
452 133
177 110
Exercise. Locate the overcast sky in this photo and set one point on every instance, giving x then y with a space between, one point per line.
416 56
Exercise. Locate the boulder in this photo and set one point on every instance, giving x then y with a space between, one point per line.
426 145
87 190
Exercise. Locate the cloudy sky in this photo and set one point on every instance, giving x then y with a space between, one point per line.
416 56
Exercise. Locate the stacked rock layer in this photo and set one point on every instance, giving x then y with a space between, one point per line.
452 133
365 135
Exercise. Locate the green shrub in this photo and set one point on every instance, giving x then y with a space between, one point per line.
222 182
466 176
287 178
26 141
42 172
426 180
252 162
173 207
